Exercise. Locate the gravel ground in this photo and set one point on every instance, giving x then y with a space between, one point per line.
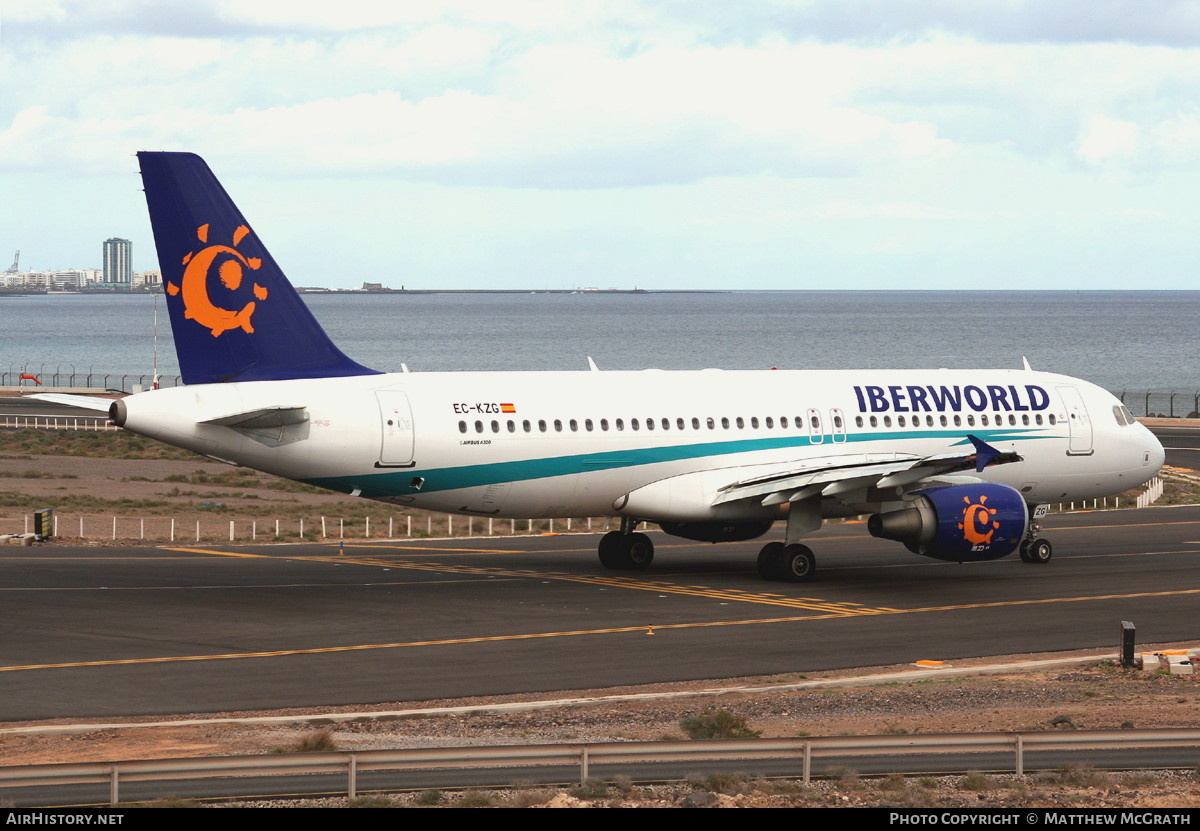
1088 696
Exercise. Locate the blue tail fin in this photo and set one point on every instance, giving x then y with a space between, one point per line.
234 314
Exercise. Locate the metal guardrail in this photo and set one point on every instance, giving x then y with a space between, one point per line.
584 755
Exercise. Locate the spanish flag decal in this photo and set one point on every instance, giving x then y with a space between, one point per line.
507 408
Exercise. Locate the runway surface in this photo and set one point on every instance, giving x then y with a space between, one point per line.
129 631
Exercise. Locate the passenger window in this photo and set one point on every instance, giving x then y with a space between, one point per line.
1051 418
574 426
724 422
837 421
542 425
944 421
887 421
754 422
526 426
619 424
587 424
858 421
649 424
604 424
970 420
512 426
712 424
558 425
462 426
783 422
899 420
741 425
479 427
679 423
695 423
666 424
633 423
874 421
495 427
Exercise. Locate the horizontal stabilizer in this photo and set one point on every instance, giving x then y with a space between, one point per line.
84 402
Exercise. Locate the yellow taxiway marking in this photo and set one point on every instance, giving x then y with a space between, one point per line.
242 554
618 630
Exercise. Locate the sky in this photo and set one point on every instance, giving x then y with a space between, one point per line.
659 144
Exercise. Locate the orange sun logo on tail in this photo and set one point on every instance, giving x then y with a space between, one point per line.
197 305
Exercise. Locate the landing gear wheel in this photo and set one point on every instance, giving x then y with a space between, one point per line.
1038 551
637 551
610 549
768 561
796 564
627 552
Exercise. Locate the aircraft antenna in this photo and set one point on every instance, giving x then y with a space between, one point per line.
154 348
1025 363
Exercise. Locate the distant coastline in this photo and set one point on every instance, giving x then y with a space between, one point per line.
356 292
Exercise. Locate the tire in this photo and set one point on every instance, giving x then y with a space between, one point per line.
796 564
609 550
1024 551
1040 551
768 561
637 552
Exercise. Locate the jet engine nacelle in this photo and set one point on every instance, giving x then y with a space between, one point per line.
718 531
959 523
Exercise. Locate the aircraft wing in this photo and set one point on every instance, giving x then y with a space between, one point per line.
86 402
846 474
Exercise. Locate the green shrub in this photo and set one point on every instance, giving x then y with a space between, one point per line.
711 723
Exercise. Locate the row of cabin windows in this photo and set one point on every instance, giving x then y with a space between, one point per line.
619 424
945 421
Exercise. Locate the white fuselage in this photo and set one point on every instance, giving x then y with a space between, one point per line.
543 444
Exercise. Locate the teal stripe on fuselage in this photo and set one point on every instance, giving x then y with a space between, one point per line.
473 476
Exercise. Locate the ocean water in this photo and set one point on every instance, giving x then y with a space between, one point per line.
1126 340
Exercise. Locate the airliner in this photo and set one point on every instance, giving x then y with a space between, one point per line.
957 465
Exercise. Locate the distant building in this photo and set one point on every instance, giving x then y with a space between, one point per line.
148 279
118 263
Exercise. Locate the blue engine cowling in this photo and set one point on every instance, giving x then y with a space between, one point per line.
959 523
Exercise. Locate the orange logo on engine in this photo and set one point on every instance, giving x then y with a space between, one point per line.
197 305
977 525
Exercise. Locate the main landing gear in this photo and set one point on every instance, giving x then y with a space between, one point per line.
792 563
626 550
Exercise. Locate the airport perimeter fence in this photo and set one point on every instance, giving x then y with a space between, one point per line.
1161 403
214 530
218 529
31 378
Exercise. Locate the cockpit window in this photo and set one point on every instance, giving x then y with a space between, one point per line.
1122 414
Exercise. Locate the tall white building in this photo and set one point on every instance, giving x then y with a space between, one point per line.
118 262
